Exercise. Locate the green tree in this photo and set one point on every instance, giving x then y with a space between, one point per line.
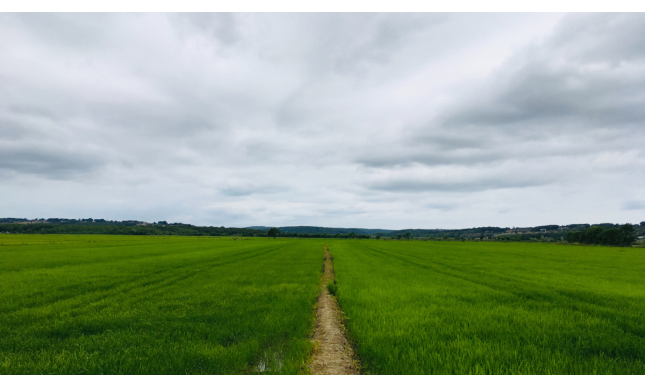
623 236
407 236
627 231
273 232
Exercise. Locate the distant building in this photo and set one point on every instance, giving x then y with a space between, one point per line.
518 230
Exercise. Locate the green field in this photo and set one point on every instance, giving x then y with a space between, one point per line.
156 305
493 308
78 304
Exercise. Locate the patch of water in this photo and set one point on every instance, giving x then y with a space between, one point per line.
270 362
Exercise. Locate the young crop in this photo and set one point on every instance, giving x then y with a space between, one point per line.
98 304
475 308
156 305
332 287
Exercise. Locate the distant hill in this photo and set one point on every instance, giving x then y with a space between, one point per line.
128 227
550 232
323 230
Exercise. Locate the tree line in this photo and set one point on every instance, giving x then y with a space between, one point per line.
603 234
598 235
120 229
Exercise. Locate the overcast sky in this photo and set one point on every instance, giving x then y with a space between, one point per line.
341 120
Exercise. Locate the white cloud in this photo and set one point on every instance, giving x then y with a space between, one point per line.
366 120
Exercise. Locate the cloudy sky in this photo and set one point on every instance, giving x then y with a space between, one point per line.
341 120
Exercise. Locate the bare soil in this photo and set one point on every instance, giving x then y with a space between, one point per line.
333 355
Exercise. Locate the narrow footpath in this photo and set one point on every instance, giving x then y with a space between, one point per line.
334 355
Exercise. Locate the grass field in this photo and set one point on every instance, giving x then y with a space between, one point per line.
493 308
199 305
153 305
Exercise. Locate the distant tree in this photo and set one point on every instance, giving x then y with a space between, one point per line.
407 236
378 237
591 234
623 236
273 232
351 235
627 231
642 224
399 236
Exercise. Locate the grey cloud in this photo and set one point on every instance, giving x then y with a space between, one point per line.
564 99
634 205
436 149
607 38
431 157
366 120
78 30
475 149
47 162
442 206
222 26
385 35
583 77
246 189
559 103
470 185
344 44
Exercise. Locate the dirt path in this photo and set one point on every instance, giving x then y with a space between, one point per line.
334 355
